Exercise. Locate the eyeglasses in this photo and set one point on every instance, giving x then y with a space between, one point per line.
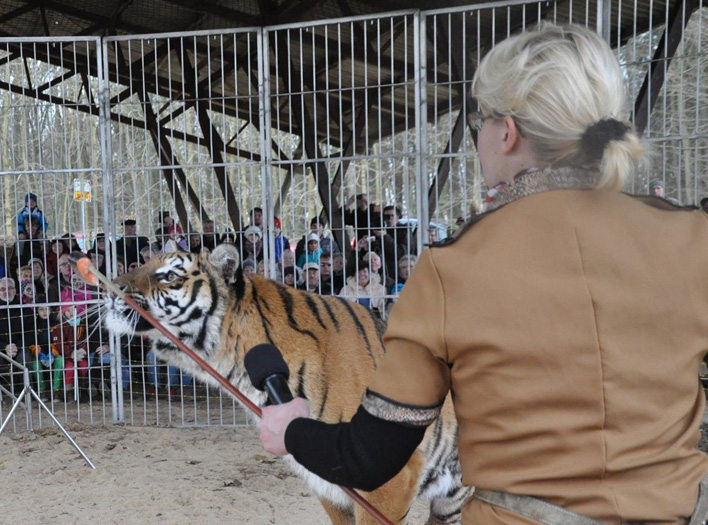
476 119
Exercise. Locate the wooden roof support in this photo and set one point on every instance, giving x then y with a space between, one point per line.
214 143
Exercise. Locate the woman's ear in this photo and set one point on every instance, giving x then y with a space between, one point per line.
511 134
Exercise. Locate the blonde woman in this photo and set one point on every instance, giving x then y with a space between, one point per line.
569 320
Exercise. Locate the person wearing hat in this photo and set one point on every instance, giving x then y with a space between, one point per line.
248 266
30 210
313 251
327 242
281 241
253 244
657 188
129 245
312 277
292 276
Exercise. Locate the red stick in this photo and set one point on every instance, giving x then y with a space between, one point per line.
90 274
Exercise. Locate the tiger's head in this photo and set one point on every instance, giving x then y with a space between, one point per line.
187 293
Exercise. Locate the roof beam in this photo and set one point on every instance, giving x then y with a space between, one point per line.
219 11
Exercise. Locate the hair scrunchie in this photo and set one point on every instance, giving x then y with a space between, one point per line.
600 134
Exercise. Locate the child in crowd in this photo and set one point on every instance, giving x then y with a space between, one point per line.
69 340
312 255
282 243
47 357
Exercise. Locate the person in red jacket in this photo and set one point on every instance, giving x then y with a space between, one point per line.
69 340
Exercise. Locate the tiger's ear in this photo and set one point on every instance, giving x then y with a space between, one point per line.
226 258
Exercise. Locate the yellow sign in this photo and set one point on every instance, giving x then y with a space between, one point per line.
82 192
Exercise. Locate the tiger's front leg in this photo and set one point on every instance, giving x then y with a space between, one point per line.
338 515
394 499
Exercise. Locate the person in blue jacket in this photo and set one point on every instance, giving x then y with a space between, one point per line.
30 210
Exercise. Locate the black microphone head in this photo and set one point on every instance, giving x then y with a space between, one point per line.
263 361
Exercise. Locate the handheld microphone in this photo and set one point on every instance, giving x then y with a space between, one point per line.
269 372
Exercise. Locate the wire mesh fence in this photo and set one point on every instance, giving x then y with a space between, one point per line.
331 153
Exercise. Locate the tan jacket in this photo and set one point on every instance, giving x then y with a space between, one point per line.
570 326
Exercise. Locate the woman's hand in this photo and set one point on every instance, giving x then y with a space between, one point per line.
275 421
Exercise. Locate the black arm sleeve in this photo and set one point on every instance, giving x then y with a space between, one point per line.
364 453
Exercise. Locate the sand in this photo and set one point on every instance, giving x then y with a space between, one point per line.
151 475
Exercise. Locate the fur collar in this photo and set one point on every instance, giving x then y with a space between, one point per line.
533 181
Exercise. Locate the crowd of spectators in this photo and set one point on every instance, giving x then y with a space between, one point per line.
49 318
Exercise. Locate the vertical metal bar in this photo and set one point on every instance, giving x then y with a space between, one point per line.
109 207
421 112
264 120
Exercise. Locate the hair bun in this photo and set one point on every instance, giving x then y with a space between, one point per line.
599 135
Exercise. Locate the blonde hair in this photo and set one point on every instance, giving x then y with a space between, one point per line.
557 82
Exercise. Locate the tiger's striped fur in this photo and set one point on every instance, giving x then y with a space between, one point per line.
331 346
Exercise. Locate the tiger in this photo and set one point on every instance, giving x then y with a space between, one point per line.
330 344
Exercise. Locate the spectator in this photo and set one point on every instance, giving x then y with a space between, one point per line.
327 243
281 241
69 340
400 233
57 246
405 266
45 357
248 267
30 210
27 292
98 259
313 251
253 243
169 225
194 240
363 217
704 204
31 245
120 266
175 377
16 334
211 238
292 276
170 241
128 247
256 217
657 188
42 281
287 259
65 272
373 261
71 241
338 268
99 244
146 253
329 283
312 277
365 289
